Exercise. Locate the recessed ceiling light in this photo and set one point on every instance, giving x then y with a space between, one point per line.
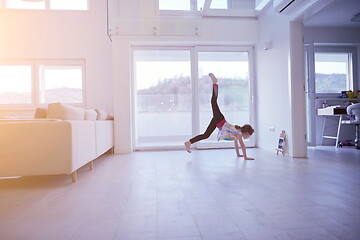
356 18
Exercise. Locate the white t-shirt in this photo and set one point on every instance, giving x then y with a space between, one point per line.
228 132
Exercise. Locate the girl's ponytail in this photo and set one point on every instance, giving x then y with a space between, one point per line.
245 129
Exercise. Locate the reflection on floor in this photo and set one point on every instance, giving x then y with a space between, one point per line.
208 194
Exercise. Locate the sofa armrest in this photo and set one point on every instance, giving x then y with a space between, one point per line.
83 143
104 136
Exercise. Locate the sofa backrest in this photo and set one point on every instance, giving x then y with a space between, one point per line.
65 112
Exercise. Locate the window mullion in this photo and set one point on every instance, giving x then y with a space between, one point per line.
47 4
193 6
34 80
194 88
350 82
229 4
83 76
40 84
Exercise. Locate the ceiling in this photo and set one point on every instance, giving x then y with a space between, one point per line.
336 14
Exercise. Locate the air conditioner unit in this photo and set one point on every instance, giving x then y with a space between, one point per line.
282 5
296 8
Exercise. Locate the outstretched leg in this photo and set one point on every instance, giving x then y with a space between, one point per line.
217 116
209 130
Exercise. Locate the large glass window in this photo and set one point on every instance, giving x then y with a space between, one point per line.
15 84
232 71
61 84
175 5
332 72
40 82
163 96
173 92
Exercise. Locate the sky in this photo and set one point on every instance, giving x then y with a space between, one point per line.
70 78
331 67
149 73
328 63
17 78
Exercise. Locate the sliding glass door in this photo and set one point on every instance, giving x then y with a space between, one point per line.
163 98
172 92
232 69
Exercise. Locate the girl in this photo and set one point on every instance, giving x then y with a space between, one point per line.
226 130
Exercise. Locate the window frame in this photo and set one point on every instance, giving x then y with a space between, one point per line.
35 80
194 50
311 95
352 68
251 142
60 63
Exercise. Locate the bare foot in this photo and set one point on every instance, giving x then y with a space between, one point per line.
213 78
187 146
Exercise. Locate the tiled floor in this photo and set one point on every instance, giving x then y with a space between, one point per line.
205 195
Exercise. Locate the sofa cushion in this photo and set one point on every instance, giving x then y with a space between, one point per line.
65 112
40 113
101 115
90 114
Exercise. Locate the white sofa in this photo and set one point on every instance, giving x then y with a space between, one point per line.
51 146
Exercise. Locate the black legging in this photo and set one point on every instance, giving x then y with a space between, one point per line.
217 117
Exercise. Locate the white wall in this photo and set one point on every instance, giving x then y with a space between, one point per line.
279 81
214 31
273 108
331 35
38 34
